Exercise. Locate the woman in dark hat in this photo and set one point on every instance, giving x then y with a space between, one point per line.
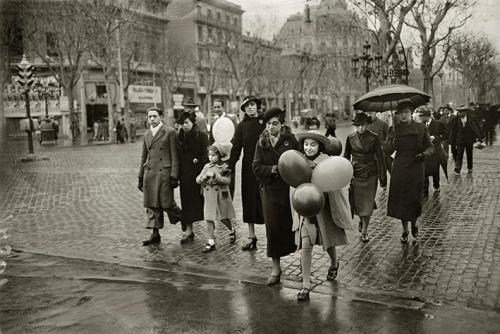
328 227
364 150
276 139
192 152
245 138
412 144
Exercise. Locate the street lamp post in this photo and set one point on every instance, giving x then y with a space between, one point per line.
367 69
25 80
397 70
46 89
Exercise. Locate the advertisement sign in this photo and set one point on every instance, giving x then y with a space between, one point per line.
144 94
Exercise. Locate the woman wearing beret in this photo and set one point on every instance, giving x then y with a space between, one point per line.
276 139
245 138
192 148
326 228
412 145
364 150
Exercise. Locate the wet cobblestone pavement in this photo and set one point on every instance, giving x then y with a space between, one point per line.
83 202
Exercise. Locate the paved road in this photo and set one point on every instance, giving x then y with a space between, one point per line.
77 297
83 203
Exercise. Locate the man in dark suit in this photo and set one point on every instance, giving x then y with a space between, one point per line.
437 133
159 174
464 132
445 119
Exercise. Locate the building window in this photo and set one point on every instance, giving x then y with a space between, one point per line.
228 19
235 21
200 33
52 44
209 13
219 16
210 34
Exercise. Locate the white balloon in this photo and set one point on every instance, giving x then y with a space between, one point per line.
223 130
332 174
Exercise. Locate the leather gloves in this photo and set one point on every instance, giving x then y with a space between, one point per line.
174 183
420 157
140 184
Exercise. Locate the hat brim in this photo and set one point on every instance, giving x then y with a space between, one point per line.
257 101
272 113
314 136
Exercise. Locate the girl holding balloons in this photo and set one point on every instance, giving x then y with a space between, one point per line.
275 140
322 215
364 150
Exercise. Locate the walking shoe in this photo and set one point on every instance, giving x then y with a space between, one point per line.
469 171
153 240
209 248
251 245
232 236
436 190
364 237
404 237
273 279
332 273
303 295
457 171
187 238
414 231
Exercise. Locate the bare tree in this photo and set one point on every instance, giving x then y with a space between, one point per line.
384 20
435 21
103 20
57 36
175 64
473 57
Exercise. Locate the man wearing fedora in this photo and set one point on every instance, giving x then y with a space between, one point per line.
159 174
437 133
464 132
192 107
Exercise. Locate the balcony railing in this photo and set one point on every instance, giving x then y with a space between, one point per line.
200 18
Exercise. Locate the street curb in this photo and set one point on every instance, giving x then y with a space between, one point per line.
339 290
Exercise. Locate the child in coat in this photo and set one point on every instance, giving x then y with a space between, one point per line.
215 179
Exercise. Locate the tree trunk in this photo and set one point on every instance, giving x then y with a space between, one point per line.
111 121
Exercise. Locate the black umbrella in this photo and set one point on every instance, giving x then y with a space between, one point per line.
388 97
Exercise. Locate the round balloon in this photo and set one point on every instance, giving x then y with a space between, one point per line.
308 200
332 174
294 168
335 147
223 130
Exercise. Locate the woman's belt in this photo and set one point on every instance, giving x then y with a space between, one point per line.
363 158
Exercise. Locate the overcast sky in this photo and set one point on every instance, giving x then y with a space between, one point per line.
486 16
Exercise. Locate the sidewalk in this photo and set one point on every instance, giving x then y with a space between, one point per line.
83 203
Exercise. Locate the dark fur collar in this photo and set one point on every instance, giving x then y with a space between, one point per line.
265 142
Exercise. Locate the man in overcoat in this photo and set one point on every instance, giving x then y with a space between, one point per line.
437 133
464 132
159 174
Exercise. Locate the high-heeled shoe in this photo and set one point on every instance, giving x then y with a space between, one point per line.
273 279
404 237
414 231
208 248
364 237
303 295
187 238
232 237
251 245
332 273
360 227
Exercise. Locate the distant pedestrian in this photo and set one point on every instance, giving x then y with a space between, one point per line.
215 179
445 119
75 131
330 124
412 145
95 128
245 139
437 133
328 227
464 132
158 174
124 132
55 127
193 155
364 150
133 132
276 139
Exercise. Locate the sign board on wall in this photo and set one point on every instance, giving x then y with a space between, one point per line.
144 94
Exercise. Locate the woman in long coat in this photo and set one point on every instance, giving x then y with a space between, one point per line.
328 227
275 193
412 144
364 150
192 148
245 138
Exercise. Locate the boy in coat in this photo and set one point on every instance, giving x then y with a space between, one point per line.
158 174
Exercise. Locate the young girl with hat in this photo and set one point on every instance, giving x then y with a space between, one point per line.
328 227
215 179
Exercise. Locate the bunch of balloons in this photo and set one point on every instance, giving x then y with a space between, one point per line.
331 174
